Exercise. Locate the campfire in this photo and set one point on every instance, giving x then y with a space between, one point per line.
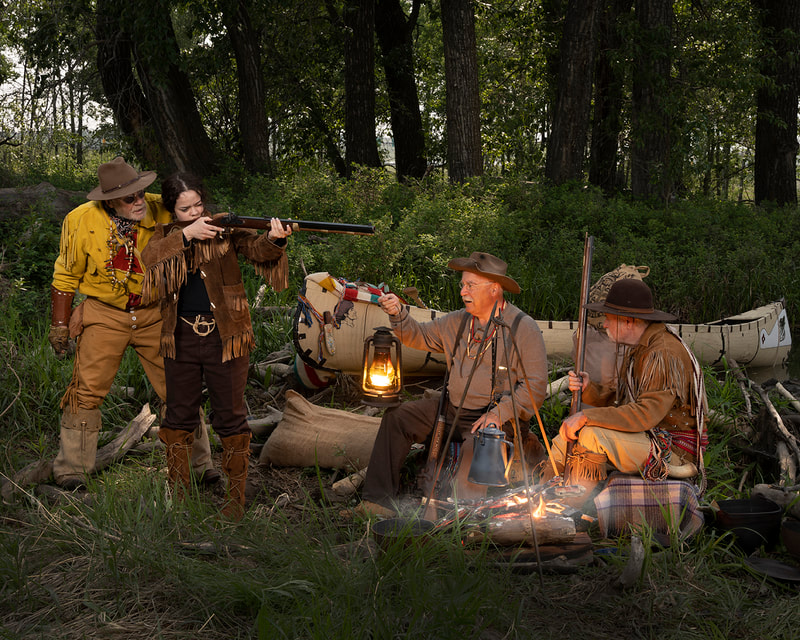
512 518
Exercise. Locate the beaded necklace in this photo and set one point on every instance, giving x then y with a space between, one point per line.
127 229
475 340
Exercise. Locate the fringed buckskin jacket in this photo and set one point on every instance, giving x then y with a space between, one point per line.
83 256
661 389
169 260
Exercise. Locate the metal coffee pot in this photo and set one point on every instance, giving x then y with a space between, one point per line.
491 460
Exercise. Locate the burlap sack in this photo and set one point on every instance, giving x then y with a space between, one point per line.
599 290
310 435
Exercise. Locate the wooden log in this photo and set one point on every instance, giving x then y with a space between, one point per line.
557 386
126 438
278 370
786 497
265 425
633 568
34 473
507 531
786 394
346 487
42 470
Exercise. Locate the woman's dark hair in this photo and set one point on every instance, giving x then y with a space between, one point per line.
176 184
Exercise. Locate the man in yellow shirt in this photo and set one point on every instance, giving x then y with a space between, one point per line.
99 256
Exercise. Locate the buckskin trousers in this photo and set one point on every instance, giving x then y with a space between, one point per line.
626 451
198 360
401 427
107 332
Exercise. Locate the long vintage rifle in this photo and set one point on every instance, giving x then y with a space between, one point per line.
429 510
580 341
231 220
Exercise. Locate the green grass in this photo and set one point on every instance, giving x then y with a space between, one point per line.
129 563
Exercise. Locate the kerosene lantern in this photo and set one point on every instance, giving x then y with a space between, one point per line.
382 377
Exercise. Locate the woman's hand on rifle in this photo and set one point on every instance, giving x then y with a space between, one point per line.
201 229
278 230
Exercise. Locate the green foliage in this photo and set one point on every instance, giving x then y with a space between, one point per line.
299 571
707 258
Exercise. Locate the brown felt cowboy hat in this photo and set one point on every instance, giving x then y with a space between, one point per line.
632 298
119 179
488 266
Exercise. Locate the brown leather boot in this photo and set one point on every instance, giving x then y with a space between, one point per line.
235 457
179 447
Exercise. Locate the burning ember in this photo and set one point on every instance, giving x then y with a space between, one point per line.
509 520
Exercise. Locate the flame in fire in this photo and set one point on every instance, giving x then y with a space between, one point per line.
541 509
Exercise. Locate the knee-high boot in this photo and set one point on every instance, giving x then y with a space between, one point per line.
179 447
235 457
78 447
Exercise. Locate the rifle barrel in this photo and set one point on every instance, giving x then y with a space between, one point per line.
232 220
580 341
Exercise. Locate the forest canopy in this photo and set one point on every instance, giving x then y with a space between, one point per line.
657 98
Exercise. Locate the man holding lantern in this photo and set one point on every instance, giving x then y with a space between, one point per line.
480 384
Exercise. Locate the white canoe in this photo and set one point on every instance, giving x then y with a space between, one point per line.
758 338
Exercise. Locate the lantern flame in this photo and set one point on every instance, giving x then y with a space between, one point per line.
382 376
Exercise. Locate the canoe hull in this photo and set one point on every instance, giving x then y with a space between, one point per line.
759 338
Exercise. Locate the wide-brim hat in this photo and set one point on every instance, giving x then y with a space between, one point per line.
488 266
119 179
632 298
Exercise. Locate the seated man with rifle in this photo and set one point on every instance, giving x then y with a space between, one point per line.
481 389
651 423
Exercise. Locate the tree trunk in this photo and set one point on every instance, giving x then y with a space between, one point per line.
253 122
359 84
651 173
125 97
608 99
567 145
464 158
185 145
164 111
775 178
394 31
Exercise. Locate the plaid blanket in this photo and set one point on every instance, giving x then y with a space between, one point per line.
631 500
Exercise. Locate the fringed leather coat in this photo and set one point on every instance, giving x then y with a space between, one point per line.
169 259
660 387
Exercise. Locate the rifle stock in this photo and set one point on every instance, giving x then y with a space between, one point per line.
231 220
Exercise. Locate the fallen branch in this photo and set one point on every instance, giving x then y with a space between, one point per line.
786 394
781 429
126 438
744 383
42 470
